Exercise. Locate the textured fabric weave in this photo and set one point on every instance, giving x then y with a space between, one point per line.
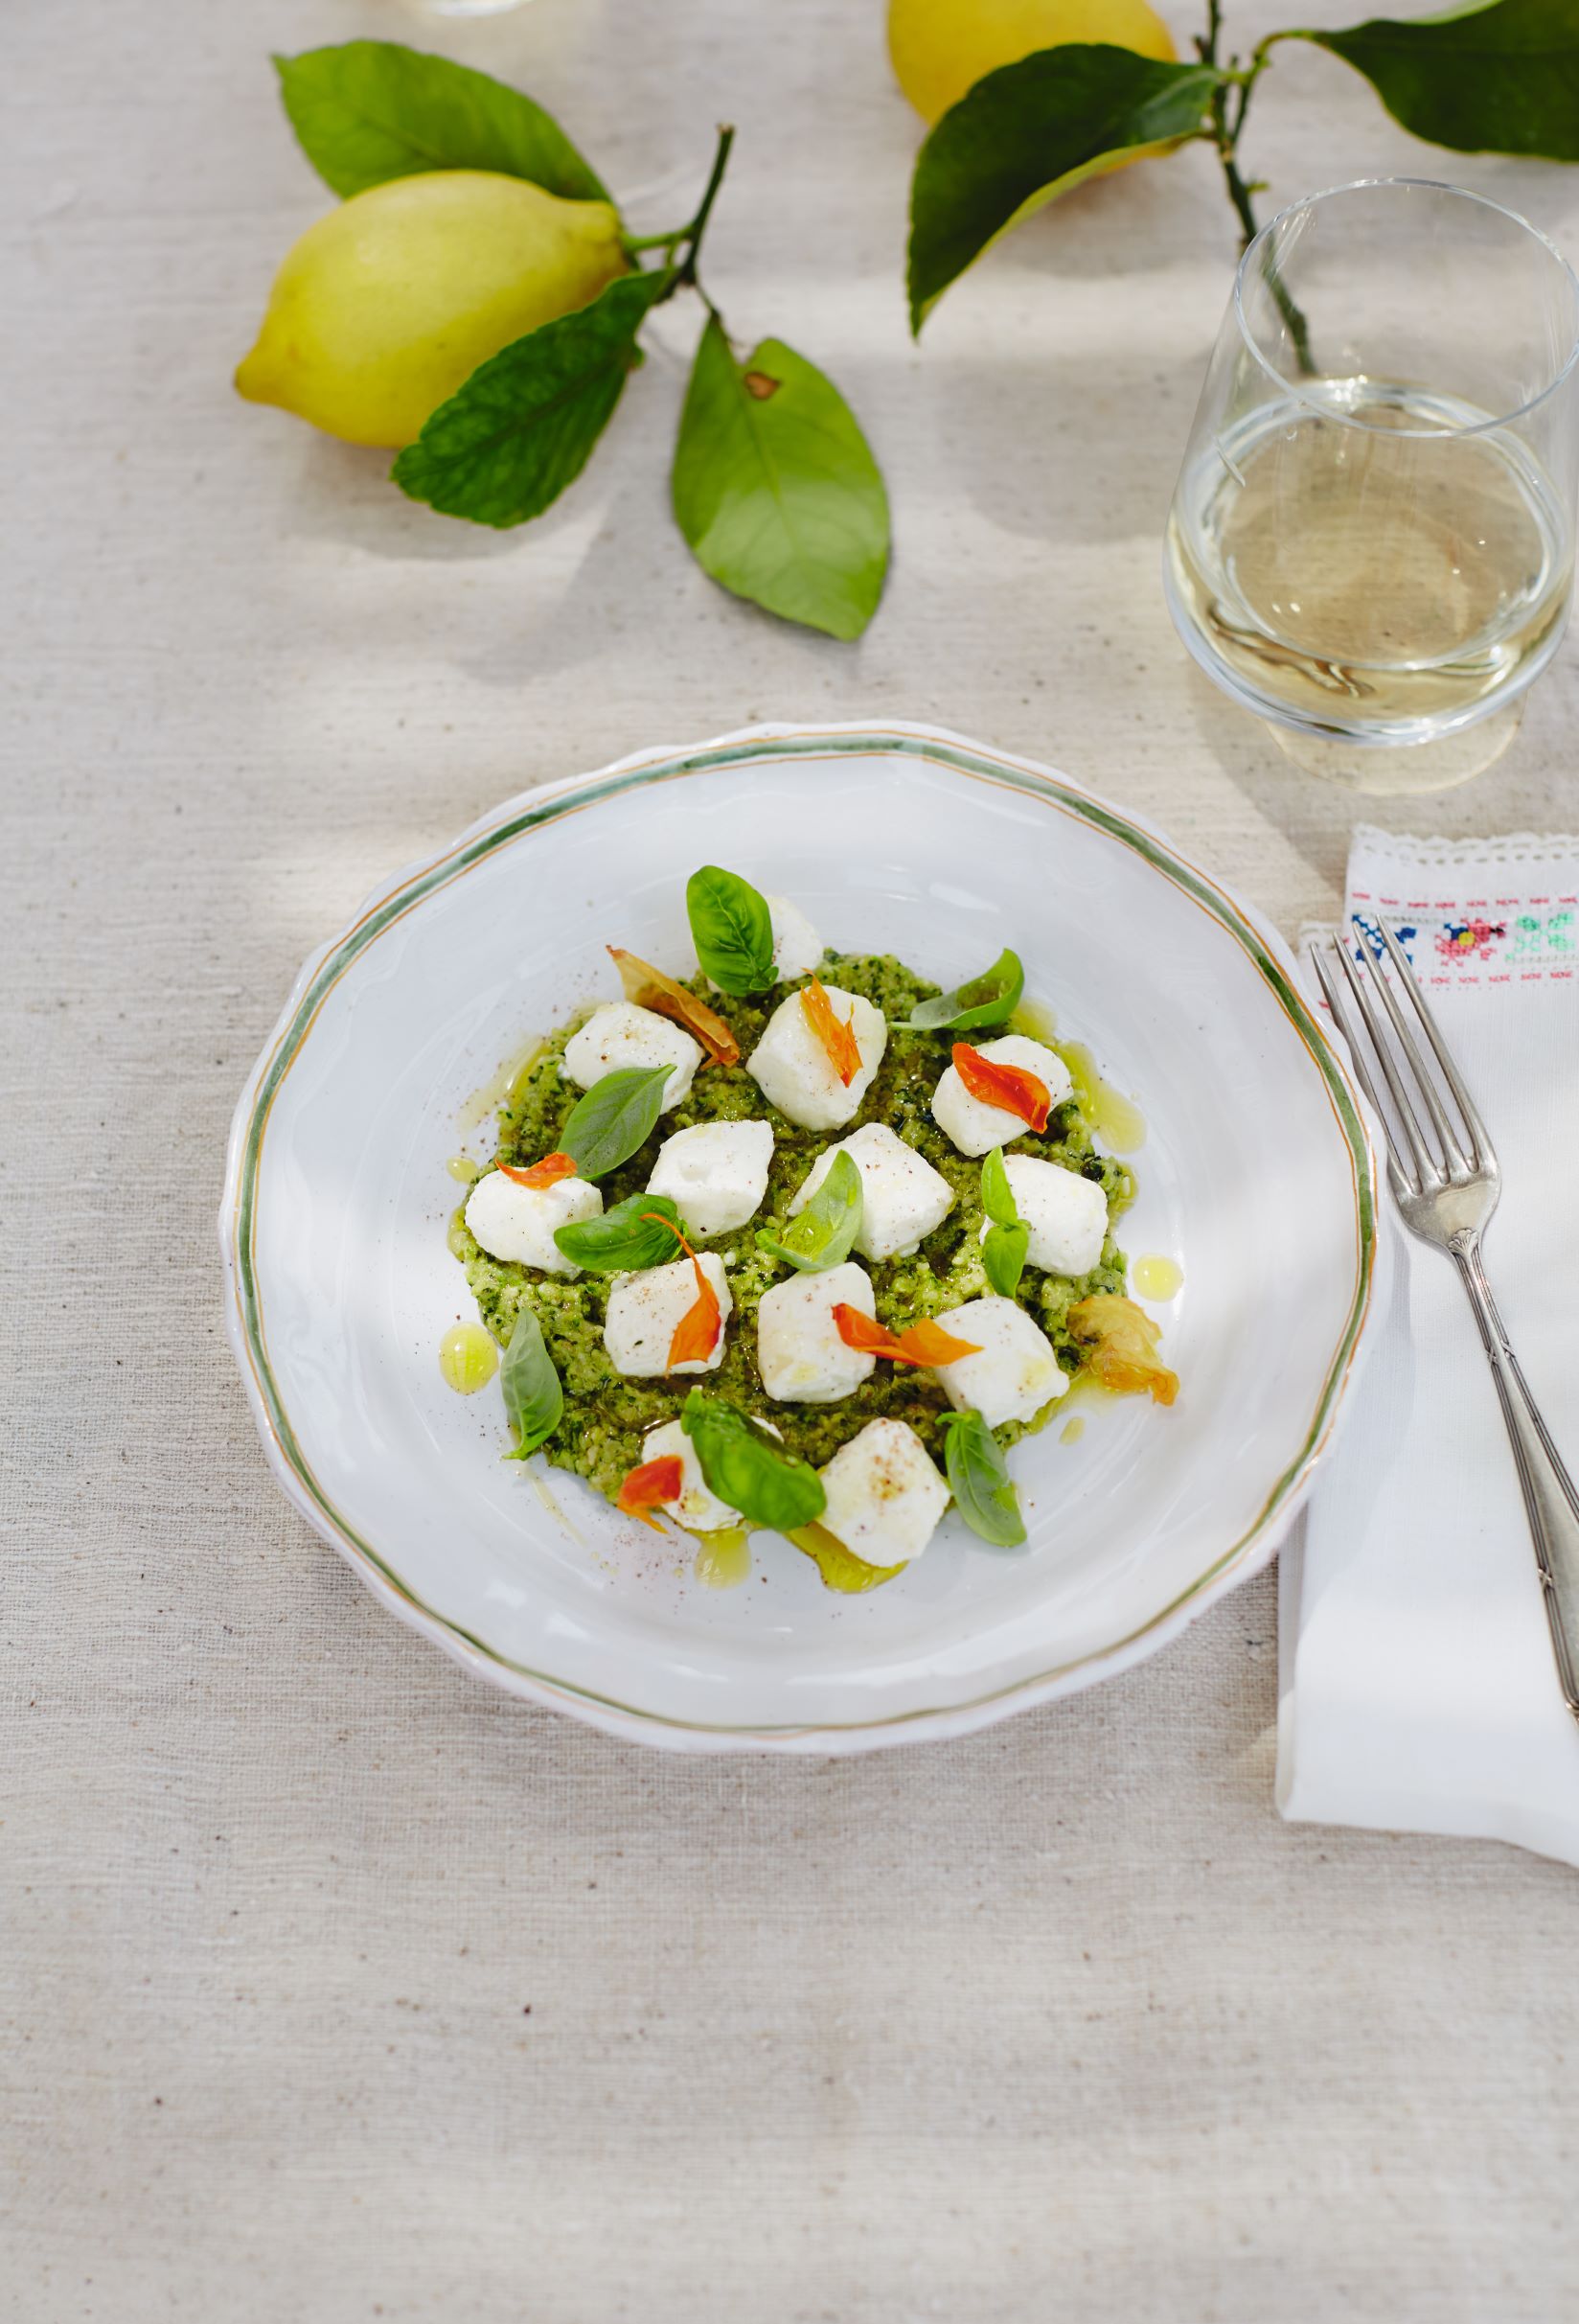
1059 2022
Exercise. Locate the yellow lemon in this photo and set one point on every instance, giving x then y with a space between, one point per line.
384 307
940 48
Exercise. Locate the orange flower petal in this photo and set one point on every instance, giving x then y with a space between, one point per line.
545 1173
834 1032
650 1486
1123 1341
924 1344
1003 1085
863 1332
928 1343
697 1333
651 989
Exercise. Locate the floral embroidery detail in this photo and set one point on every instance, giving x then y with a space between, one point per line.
1405 933
1470 939
1452 938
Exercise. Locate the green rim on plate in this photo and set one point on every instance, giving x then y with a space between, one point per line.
237 1224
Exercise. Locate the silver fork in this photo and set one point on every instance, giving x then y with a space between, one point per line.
1446 1186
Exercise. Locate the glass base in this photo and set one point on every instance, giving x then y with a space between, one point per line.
461 7
1400 768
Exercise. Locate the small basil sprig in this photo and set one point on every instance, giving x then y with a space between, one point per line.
614 1118
990 999
534 1400
824 1234
978 1478
732 930
744 1468
643 1231
1007 1238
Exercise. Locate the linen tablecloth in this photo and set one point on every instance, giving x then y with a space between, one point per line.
335 1987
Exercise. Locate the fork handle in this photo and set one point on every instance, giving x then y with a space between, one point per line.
1550 1503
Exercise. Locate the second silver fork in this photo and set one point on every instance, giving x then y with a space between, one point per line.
1446 1182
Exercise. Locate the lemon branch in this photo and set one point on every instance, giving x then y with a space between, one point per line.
690 234
1229 105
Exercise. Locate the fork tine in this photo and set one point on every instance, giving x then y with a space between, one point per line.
1428 1173
1480 1137
1457 1165
1402 1182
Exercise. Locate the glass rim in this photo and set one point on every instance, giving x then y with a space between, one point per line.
1428 185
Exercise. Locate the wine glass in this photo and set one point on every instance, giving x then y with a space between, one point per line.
1371 543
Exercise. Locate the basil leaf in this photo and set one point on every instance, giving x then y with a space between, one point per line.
824 1234
1006 1241
631 1235
979 1477
1499 79
776 490
1029 133
1003 1255
990 999
534 1400
744 1468
523 425
997 1196
732 930
614 1117
370 110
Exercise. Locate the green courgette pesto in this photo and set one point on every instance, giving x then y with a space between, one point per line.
606 1417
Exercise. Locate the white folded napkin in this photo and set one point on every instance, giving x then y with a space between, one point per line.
1416 1683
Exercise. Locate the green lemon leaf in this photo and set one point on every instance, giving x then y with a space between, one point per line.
533 1398
643 1231
979 1477
990 999
824 1234
523 425
1497 80
370 110
1029 133
776 490
732 930
744 1468
614 1118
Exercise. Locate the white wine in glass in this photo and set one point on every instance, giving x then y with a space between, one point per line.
1372 538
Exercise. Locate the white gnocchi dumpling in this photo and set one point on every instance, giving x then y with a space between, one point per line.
884 1494
620 1037
646 1308
716 1175
795 1071
800 1354
1066 1214
1013 1372
515 1221
977 1127
903 1197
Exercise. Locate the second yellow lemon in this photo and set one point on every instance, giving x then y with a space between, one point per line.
940 49
386 306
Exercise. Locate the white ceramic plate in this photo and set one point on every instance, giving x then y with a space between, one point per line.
1256 1174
